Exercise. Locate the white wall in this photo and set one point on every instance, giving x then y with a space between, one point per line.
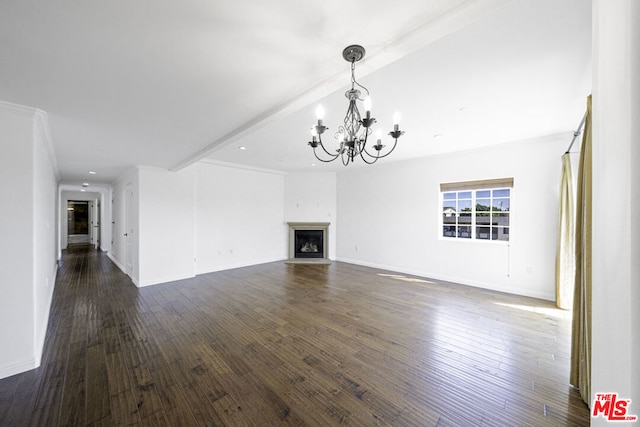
204 218
239 217
389 217
166 225
27 226
616 205
124 251
45 229
17 322
311 197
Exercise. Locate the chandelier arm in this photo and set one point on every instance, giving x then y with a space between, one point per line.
364 151
348 157
395 142
373 156
323 160
364 159
376 156
333 156
364 148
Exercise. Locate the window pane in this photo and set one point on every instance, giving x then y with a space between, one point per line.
482 233
448 219
449 196
500 233
501 219
483 194
449 231
501 205
483 204
464 232
464 218
464 195
502 193
464 205
483 218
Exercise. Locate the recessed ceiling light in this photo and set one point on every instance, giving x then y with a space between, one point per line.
313 164
438 135
242 147
92 172
463 109
85 184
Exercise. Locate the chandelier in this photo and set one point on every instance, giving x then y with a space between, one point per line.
353 134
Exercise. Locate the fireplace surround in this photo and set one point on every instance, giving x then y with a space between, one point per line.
308 243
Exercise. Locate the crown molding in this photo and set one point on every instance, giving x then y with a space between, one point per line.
41 125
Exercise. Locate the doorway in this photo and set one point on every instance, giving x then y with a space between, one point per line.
78 230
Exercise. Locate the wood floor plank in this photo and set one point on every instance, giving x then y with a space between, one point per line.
124 408
20 394
199 403
98 404
118 378
145 392
74 399
277 344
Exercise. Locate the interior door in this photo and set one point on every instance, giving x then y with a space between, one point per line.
95 223
128 234
92 221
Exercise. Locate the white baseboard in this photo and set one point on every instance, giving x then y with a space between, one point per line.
18 368
231 266
166 279
462 281
116 262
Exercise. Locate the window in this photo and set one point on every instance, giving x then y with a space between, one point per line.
478 210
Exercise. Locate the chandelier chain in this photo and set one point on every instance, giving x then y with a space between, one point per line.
353 79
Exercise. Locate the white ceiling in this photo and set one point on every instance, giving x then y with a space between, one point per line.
165 83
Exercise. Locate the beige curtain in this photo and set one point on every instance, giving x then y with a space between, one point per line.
566 251
581 327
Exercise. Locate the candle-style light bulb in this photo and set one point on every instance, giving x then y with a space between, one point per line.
379 136
320 114
314 134
367 105
396 121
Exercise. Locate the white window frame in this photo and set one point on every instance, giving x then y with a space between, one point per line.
474 187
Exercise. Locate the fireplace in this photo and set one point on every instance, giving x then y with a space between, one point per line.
308 242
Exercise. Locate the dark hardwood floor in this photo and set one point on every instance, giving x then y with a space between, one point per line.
279 344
